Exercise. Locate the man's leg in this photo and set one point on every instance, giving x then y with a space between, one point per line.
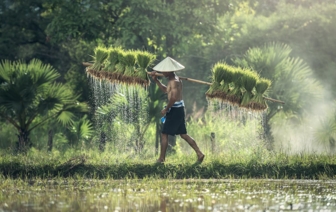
193 144
164 145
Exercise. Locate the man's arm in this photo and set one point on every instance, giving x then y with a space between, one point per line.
162 87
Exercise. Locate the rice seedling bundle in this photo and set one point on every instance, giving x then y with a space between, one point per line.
217 78
112 59
235 94
228 76
258 102
120 66
249 80
129 61
143 61
230 84
101 53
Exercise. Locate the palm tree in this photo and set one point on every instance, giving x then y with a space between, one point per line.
292 82
79 130
30 97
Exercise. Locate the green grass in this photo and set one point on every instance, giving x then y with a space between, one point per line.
96 165
237 152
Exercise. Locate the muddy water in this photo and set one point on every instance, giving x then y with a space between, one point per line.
168 195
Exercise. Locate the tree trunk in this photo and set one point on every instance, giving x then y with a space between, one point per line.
102 142
23 143
50 140
267 135
213 142
332 144
157 137
138 140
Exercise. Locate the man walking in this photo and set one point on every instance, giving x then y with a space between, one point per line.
174 113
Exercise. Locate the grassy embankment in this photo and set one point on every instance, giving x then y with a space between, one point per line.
93 164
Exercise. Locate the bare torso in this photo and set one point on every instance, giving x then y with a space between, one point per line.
174 89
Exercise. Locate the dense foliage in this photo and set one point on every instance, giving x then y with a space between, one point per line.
198 33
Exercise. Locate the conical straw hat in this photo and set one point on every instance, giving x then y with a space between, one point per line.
168 65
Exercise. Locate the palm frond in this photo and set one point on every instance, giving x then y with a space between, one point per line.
82 129
7 69
65 118
116 101
23 82
326 130
41 73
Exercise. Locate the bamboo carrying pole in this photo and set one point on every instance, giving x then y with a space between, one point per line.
184 78
196 81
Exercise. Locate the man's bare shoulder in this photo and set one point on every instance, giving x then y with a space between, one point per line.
176 83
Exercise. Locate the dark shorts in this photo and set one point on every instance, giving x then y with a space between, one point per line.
175 122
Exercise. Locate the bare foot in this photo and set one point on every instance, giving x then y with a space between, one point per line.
200 158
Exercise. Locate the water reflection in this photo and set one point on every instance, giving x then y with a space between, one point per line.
169 195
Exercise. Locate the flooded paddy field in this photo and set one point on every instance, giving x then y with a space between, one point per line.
167 195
